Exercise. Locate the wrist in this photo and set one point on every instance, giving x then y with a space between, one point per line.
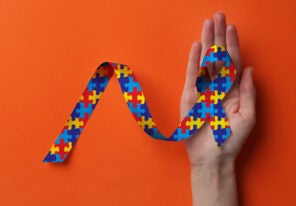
214 184
215 168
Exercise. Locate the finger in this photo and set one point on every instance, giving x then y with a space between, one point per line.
219 39
220 29
247 94
207 39
193 65
207 35
232 43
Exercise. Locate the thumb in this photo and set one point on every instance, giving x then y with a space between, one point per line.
247 94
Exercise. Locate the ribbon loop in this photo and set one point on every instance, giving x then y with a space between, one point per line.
207 108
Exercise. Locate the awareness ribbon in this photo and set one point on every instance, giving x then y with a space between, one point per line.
208 106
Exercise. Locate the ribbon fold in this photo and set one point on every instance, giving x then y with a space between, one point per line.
207 108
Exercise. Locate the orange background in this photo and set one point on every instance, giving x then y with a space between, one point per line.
50 49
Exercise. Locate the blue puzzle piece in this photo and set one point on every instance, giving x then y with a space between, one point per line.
136 110
219 110
195 110
146 112
58 157
91 85
103 83
122 82
81 110
227 60
74 134
130 84
227 84
64 136
221 135
98 83
50 158
219 84
209 59
206 110
53 158
153 132
179 135
74 113
221 55
202 83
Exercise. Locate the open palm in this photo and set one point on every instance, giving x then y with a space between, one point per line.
239 103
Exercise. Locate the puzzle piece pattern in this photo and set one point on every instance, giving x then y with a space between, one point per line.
208 107
80 115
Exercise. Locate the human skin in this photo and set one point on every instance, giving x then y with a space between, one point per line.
213 178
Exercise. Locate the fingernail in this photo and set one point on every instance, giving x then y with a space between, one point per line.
221 13
231 27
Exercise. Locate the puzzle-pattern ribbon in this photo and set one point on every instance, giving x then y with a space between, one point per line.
207 108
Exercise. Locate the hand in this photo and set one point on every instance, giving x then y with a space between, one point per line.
239 103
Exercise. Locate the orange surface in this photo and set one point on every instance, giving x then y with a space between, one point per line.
49 50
